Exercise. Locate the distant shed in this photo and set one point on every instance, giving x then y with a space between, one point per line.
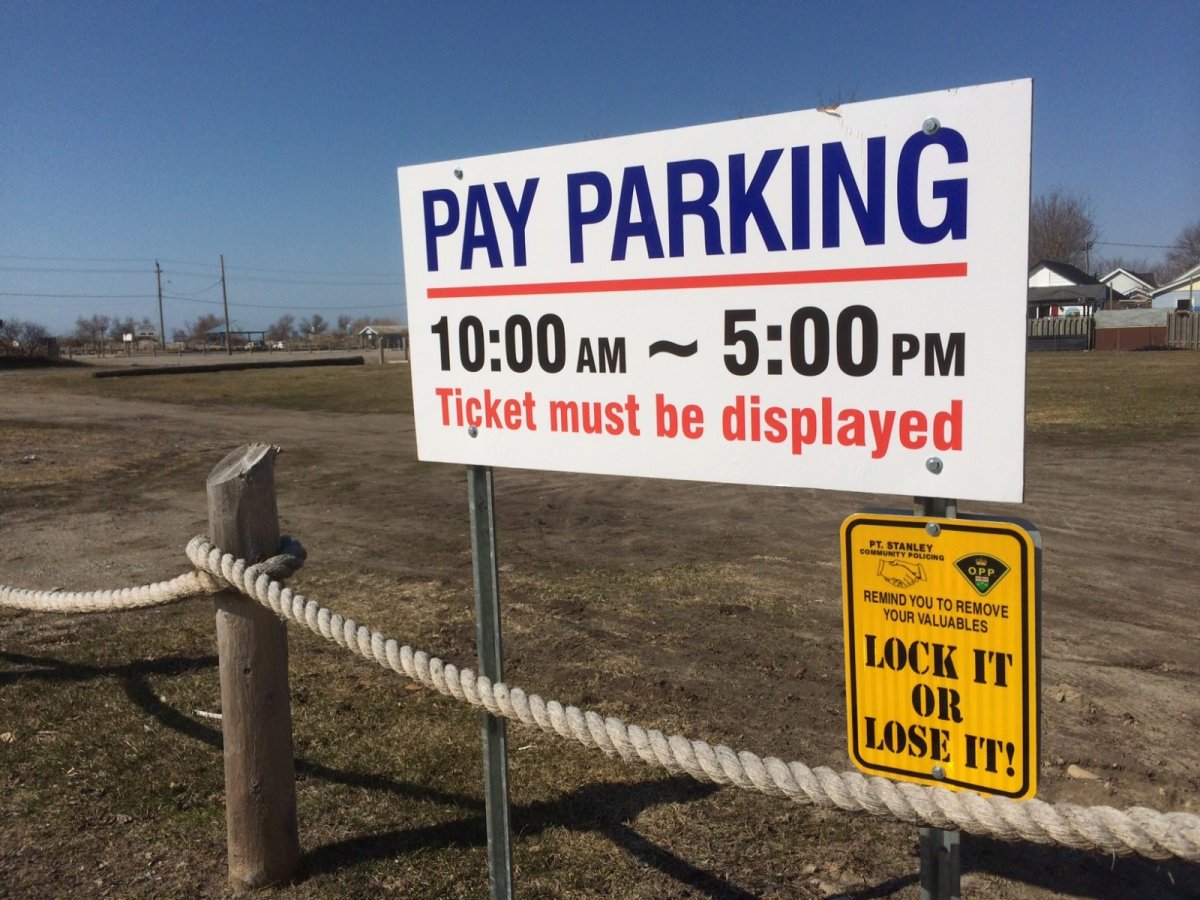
393 337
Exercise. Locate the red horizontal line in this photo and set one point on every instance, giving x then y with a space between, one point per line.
692 282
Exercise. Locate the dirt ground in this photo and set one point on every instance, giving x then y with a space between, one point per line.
757 666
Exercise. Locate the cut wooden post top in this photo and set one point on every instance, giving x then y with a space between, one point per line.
243 461
242 514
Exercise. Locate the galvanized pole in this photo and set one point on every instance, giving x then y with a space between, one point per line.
487 636
941 866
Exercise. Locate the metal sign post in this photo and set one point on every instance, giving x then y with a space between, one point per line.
941 865
487 636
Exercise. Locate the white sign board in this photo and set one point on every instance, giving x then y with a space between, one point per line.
831 299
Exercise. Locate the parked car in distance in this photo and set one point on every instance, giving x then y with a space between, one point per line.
255 345
278 345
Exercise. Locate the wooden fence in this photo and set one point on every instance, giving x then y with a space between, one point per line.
1183 331
1060 333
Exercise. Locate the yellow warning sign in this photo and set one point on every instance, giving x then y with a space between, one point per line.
942 651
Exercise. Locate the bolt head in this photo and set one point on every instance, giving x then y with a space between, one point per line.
939 773
933 529
473 431
931 126
458 173
934 465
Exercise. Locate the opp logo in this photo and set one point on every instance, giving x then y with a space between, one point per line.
982 571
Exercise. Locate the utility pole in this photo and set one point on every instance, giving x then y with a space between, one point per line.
225 299
162 333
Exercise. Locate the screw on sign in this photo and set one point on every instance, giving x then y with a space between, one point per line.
942 651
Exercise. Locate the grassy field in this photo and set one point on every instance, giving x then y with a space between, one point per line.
1123 395
112 781
351 389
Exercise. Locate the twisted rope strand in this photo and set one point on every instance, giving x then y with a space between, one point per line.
197 583
1146 832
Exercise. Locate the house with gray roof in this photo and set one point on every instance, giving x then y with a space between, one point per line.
1061 289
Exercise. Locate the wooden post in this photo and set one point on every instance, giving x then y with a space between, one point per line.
260 778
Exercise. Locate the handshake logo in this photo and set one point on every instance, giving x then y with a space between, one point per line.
901 574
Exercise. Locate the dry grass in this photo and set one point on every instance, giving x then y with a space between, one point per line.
1123 396
46 463
348 389
105 749
112 782
1118 393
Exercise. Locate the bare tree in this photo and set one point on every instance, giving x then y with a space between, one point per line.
10 334
198 330
91 331
343 324
34 332
1062 228
26 339
1186 252
283 329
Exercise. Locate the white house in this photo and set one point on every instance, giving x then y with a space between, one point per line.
1047 273
1182 293
1136 286
1060 289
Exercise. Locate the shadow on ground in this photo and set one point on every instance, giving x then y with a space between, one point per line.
607 808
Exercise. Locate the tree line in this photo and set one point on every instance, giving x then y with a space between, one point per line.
96 330
1062 228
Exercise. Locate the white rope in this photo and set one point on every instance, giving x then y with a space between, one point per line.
196 583
1138 830
1135 830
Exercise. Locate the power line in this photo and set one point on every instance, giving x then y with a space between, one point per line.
185 262
78 296
1142 246
167 296
202 290
305 272
324 308
130 259
258 279
73 271
185 299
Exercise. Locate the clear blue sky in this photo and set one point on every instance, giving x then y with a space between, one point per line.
271 132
